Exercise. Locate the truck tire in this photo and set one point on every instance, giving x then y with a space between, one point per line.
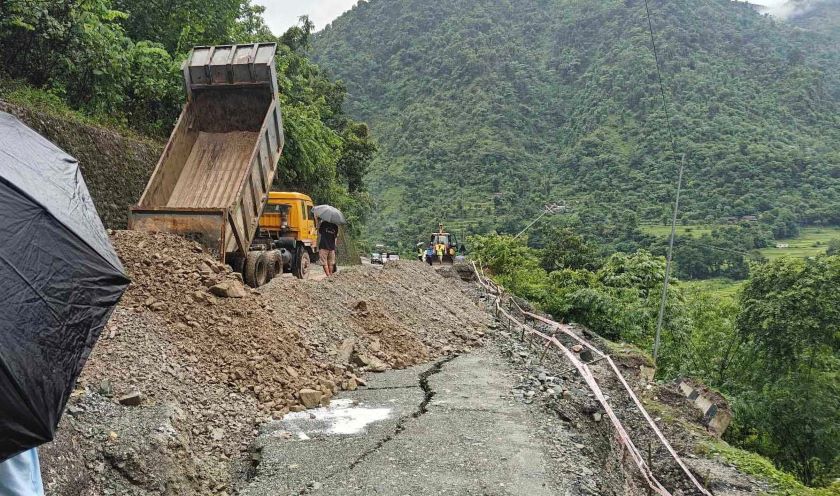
301 263
256 269
274 264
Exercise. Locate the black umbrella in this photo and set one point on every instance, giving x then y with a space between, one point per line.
59 281
329 213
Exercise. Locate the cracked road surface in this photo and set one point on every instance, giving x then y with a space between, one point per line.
452 429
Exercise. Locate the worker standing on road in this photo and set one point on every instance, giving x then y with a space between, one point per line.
430 254
326 245
440 250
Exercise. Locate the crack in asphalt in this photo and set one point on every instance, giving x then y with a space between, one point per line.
422 409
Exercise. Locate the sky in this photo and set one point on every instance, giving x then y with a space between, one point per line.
282 14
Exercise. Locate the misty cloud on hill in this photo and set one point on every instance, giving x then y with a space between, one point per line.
789 9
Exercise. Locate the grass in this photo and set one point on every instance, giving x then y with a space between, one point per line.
812 241
784 484
665 230
721 287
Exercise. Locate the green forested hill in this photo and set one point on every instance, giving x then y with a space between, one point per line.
486 109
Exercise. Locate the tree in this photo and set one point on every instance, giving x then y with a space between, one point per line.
791 400
789 311
566 250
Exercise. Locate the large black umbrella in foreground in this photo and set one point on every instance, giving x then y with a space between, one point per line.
59 281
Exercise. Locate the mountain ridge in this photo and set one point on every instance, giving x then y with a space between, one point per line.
485 110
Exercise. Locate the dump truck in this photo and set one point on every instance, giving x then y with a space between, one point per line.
288 225
213 178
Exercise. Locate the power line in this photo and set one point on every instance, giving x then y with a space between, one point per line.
659 77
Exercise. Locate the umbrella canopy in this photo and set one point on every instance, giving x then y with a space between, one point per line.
329 214
59 281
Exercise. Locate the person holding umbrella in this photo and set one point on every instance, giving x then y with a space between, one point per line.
60 279
329 218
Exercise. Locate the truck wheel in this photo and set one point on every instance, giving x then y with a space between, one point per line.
256 269
301 263
274 264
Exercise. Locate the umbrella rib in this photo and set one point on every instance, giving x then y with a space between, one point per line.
34 289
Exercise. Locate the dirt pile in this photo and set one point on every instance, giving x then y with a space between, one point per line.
209 369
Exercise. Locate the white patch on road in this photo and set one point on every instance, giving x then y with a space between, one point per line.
341 417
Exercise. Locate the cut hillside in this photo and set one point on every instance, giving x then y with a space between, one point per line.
169 400
116 167
493 108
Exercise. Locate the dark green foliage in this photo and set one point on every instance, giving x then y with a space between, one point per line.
492 108
618 300
566 250
789 398
789 310
833 247
119 60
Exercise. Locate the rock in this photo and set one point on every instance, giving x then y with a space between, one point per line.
133 398
345 350
292 371
105 388
577 348
375 346
597 416
310 398
352 385
297 408
217 434
229 289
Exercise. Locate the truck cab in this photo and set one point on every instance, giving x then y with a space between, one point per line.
287 224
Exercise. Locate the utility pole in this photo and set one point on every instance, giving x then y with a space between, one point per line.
549 208
670 257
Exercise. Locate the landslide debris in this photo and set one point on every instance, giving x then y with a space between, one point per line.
192 362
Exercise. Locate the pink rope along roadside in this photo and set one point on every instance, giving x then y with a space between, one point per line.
586 373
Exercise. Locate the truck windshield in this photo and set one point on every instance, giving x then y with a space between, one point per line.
278 208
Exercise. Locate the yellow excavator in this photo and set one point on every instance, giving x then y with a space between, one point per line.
451 248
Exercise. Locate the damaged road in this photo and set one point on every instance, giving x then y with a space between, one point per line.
447 428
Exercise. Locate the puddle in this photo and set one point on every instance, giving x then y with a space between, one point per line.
341 417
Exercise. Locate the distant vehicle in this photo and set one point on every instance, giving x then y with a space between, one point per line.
381 254
212 181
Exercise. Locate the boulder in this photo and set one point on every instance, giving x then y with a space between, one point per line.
345 350
229 289
310 398
133 398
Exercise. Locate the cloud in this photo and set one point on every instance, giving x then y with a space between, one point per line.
786 9
280 15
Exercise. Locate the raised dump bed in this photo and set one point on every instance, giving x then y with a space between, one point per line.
212 180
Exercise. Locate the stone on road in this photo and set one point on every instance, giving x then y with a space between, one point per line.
453 429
